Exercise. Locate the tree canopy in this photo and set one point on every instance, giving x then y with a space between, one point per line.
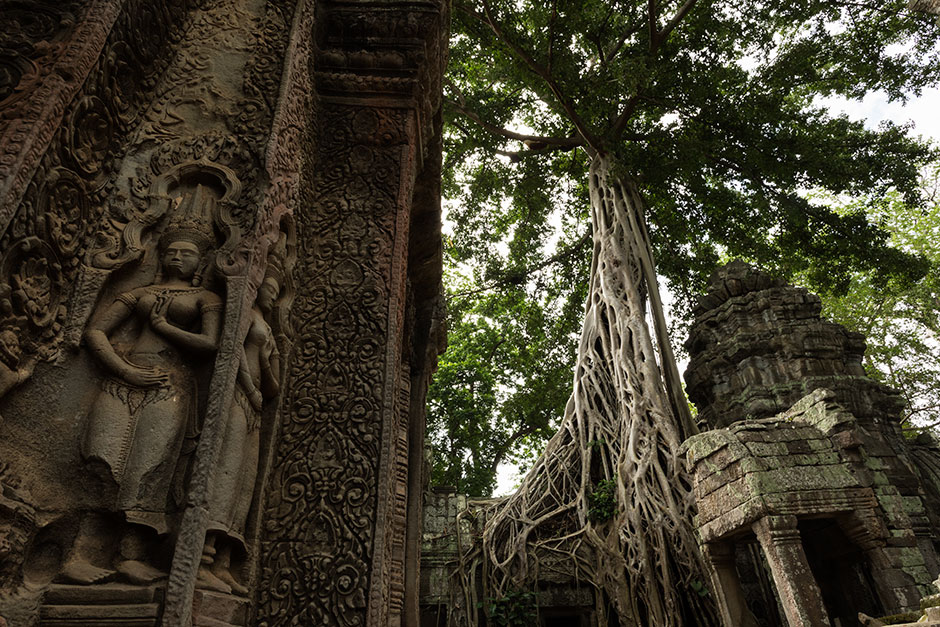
899 317
711 109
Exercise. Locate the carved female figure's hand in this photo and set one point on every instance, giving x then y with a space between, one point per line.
158 312
256 399
144 376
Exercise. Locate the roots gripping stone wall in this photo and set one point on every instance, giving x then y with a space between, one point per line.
619 437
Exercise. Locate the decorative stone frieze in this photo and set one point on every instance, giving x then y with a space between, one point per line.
220 266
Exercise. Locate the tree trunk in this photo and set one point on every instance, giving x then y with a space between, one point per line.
620 426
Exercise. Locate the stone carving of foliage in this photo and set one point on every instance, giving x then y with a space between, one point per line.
90 131
64 206
326 461
41 45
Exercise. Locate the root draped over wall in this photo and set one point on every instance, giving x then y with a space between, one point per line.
624 423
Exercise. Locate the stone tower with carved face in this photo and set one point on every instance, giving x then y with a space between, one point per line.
220 265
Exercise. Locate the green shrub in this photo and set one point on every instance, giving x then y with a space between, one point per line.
603 501
516 609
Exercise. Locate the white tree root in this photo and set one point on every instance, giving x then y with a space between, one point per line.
619 425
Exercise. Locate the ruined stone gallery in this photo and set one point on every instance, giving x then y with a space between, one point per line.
220 277
812 507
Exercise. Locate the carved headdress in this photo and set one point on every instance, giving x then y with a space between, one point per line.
192 220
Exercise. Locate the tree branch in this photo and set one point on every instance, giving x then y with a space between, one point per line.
529 140
551 34
518 155
657 38
620 124
589 141
916 14
653 26
561 142
559 256
618 45
671 24
514 437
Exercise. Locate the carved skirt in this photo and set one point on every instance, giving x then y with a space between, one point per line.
138 433
233 479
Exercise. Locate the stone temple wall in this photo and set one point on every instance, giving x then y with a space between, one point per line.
758 345
802 455
220 270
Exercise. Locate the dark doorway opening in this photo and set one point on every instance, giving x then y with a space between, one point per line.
841 570
434 616
760 592
565 619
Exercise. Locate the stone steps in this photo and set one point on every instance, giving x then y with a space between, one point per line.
105 604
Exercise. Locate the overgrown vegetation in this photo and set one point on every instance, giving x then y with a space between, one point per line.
899 316
616 132
723 160
516 609
603 501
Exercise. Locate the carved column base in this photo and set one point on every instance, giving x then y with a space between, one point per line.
106 604
215 609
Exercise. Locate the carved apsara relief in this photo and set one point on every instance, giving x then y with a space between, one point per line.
153 344
59 134
232 485
74 184
78 179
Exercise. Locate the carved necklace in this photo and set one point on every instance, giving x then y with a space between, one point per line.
154 289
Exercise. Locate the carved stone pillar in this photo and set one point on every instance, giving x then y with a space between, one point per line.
727 584
799 594
335 518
